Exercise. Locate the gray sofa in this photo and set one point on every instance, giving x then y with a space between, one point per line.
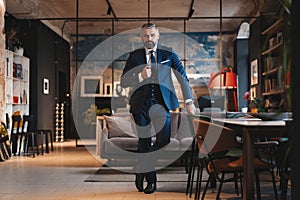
118 137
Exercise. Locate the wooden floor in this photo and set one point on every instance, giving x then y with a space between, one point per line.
60 175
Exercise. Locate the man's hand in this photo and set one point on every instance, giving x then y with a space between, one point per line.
191 109
146 73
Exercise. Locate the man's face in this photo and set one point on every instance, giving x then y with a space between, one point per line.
149 37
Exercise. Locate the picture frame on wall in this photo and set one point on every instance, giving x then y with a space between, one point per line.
107 89
252 93
91 86
254 72
45 86
118 89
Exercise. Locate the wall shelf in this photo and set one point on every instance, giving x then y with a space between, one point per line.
272 49
273 28
274 65
273 92
272 71
16 83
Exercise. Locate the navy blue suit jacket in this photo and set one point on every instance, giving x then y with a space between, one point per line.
167 61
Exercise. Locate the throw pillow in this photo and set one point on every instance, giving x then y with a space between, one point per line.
120 126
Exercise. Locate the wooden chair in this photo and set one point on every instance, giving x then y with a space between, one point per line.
214 143
15 133
193 162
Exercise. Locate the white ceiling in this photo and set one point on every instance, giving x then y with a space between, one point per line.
60 15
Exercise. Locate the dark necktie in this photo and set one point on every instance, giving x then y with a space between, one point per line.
153 64
152 58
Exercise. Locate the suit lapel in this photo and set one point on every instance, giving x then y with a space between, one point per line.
142 56
159 55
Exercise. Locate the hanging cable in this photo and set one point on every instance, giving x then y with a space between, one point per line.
148 11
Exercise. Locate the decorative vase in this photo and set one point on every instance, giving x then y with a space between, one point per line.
254 110
245 109
19 51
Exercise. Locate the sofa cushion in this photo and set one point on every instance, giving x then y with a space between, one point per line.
120 126
173 145
124 143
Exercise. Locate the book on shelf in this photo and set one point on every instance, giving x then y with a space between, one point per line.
17 71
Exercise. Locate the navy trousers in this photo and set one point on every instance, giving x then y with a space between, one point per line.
153 120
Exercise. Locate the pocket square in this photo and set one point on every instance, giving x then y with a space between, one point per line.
162 62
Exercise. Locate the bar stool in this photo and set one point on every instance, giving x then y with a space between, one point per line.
46 136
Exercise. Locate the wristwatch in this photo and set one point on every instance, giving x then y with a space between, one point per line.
188 102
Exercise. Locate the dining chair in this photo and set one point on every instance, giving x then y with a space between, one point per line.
15 133
283 163
215 143
264 148
28 136
194 165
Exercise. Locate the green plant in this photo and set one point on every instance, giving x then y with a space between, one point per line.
257 103
90 114
93 111
15 35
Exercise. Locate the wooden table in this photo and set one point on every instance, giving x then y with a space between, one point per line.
250 130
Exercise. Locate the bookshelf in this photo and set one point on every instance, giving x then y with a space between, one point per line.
275 65
16 83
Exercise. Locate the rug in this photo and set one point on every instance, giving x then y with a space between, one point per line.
167 174
107 174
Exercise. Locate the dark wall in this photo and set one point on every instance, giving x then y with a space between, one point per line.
52 59
255 49
49 56
241 63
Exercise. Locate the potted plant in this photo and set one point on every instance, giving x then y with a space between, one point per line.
15 36
255 105
92 112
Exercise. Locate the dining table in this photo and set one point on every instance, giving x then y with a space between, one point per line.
250 129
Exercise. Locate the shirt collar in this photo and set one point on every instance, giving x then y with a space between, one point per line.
148 50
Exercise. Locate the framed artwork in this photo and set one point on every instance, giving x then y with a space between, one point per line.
107 89
118 90
91 86
254 72
252 93
45 86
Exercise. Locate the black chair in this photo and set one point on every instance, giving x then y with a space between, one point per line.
194 163
46 137
283 163
15 133
28 136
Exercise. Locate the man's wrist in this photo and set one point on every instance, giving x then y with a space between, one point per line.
140 77
188 101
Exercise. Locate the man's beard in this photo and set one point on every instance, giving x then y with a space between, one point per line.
149 44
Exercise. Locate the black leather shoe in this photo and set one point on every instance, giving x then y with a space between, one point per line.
139 182
151 187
